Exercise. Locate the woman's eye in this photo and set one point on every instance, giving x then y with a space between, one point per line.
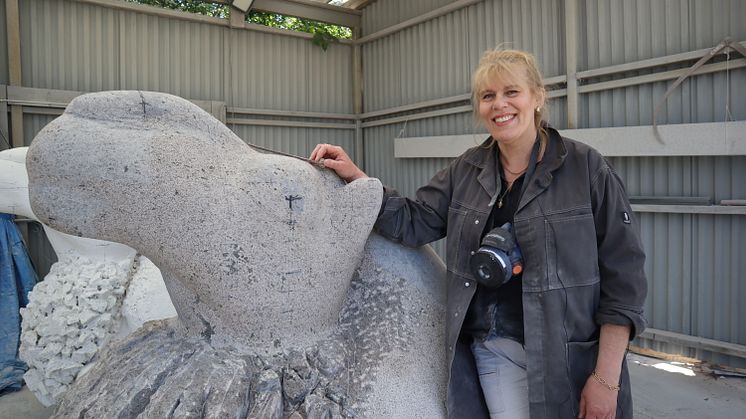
511 93
488 96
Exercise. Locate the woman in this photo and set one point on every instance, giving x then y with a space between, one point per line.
551 341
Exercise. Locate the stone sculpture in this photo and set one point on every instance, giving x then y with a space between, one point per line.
282 312
96 291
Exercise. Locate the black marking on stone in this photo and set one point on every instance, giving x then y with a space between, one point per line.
208 331
291 198
142 98
126 169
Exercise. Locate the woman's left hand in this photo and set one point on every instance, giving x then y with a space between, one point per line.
597 401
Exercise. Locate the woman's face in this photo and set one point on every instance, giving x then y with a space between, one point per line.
506 108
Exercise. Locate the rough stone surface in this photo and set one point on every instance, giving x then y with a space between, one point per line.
254 249
282 312
385 359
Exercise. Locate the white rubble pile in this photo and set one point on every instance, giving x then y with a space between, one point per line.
70 315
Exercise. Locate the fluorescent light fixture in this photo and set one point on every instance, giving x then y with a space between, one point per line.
242 5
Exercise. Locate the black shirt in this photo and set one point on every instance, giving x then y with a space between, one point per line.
499 311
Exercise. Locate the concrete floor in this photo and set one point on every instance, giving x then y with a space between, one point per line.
660 390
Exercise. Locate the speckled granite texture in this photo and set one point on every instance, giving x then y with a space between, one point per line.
282 313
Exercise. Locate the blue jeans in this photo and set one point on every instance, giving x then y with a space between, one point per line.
501 364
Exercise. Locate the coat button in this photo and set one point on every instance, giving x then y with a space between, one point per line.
455 314
466 284
476 221
473 252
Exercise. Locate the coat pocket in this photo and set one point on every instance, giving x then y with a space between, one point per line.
572 250
581 361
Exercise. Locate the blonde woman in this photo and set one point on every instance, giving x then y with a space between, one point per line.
549 340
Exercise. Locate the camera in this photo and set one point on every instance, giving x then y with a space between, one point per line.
498 258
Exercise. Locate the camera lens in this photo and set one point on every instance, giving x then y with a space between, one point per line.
490 267
484 272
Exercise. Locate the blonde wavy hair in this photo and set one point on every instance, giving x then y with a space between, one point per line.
510 64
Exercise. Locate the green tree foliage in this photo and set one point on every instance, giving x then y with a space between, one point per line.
193 6
323 33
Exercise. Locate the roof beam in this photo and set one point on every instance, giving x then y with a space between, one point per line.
311 10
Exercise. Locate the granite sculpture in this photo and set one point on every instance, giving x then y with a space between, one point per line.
96 292
283 311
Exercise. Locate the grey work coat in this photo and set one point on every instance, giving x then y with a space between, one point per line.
583 266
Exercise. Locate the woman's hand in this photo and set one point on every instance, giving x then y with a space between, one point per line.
336 159
597 401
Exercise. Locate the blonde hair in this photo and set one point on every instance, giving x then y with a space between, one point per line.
509 64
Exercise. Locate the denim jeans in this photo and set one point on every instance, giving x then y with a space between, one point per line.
501 364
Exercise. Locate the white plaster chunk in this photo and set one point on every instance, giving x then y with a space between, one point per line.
54 319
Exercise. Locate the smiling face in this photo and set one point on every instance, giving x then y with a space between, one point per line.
507 108
507 88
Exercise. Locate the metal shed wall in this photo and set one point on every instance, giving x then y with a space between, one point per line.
68 45
85 47
695 262
384 13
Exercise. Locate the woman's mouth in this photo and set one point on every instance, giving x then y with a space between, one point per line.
499 120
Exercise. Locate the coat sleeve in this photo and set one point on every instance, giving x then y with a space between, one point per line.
417 222
621 257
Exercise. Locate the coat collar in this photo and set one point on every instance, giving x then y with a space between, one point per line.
554 157
484 157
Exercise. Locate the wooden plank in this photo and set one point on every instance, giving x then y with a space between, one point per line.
695 342
571 61
4 123
702 139
293 114
691 209
30 96
13 28
295 124
652 62
421 115
310 10
666 75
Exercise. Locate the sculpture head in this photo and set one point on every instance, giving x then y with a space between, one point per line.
253 247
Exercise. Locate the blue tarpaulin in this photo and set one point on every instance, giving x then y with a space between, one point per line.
17 278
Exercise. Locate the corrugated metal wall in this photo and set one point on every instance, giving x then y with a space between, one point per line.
615 32
67 45
384 13
695 262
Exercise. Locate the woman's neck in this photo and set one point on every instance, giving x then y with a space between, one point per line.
515 157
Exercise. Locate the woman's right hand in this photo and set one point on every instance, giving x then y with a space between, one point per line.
335 158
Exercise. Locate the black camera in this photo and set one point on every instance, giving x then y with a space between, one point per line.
498 258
